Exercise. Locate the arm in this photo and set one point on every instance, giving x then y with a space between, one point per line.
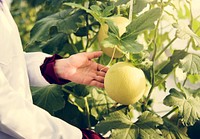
79 68
21 119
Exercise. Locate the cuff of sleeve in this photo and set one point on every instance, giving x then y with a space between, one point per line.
47 70
88 134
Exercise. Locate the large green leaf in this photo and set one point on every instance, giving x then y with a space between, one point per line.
191 64
131 46
141 23
96 13
122 127
72 115
101 103
138 25
53 45
77 90
49 98
187 102
66 21
174 60
171 131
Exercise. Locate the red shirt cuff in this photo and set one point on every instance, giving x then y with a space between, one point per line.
88 134
47 70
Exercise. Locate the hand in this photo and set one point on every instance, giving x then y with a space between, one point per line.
81 69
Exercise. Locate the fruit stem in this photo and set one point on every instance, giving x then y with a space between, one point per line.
109 63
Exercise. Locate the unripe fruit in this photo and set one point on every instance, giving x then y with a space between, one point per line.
125 83
121 23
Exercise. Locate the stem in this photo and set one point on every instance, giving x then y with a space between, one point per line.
164 79
191 15
72 44
131 10
87 24
114 50
165 48
67 91
149 95
170 112
153 66
107 104
87 112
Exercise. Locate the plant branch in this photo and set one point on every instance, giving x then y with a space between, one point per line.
87 24
131 10
165 48
87 112
153 59
72 44
170 112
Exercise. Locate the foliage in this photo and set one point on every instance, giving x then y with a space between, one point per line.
67 27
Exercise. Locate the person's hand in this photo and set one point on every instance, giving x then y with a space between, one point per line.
81 69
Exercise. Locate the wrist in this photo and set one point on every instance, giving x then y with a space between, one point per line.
48 70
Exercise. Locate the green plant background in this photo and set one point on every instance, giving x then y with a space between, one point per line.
65 28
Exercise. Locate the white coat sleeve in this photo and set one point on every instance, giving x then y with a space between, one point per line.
33 62
22 119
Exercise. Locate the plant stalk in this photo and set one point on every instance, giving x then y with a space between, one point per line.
170 112
165 48
87 112
131 10
72 44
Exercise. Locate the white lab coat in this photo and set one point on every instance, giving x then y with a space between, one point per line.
19 117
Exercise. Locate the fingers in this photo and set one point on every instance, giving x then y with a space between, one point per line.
100 73
102 68
99 79
97 84
92 55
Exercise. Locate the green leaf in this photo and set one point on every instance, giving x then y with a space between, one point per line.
112 28
107 11
53 45
187 102
141 23
111 41
174 60
120 2
185 32
96 14
122 127
101 103
72 115
131 46
171 131
139 5
191 64
49 98
66 21
77 90
195 78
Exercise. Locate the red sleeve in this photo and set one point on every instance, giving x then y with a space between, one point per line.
47 70
88 134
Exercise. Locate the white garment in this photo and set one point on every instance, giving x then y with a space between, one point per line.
19 117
